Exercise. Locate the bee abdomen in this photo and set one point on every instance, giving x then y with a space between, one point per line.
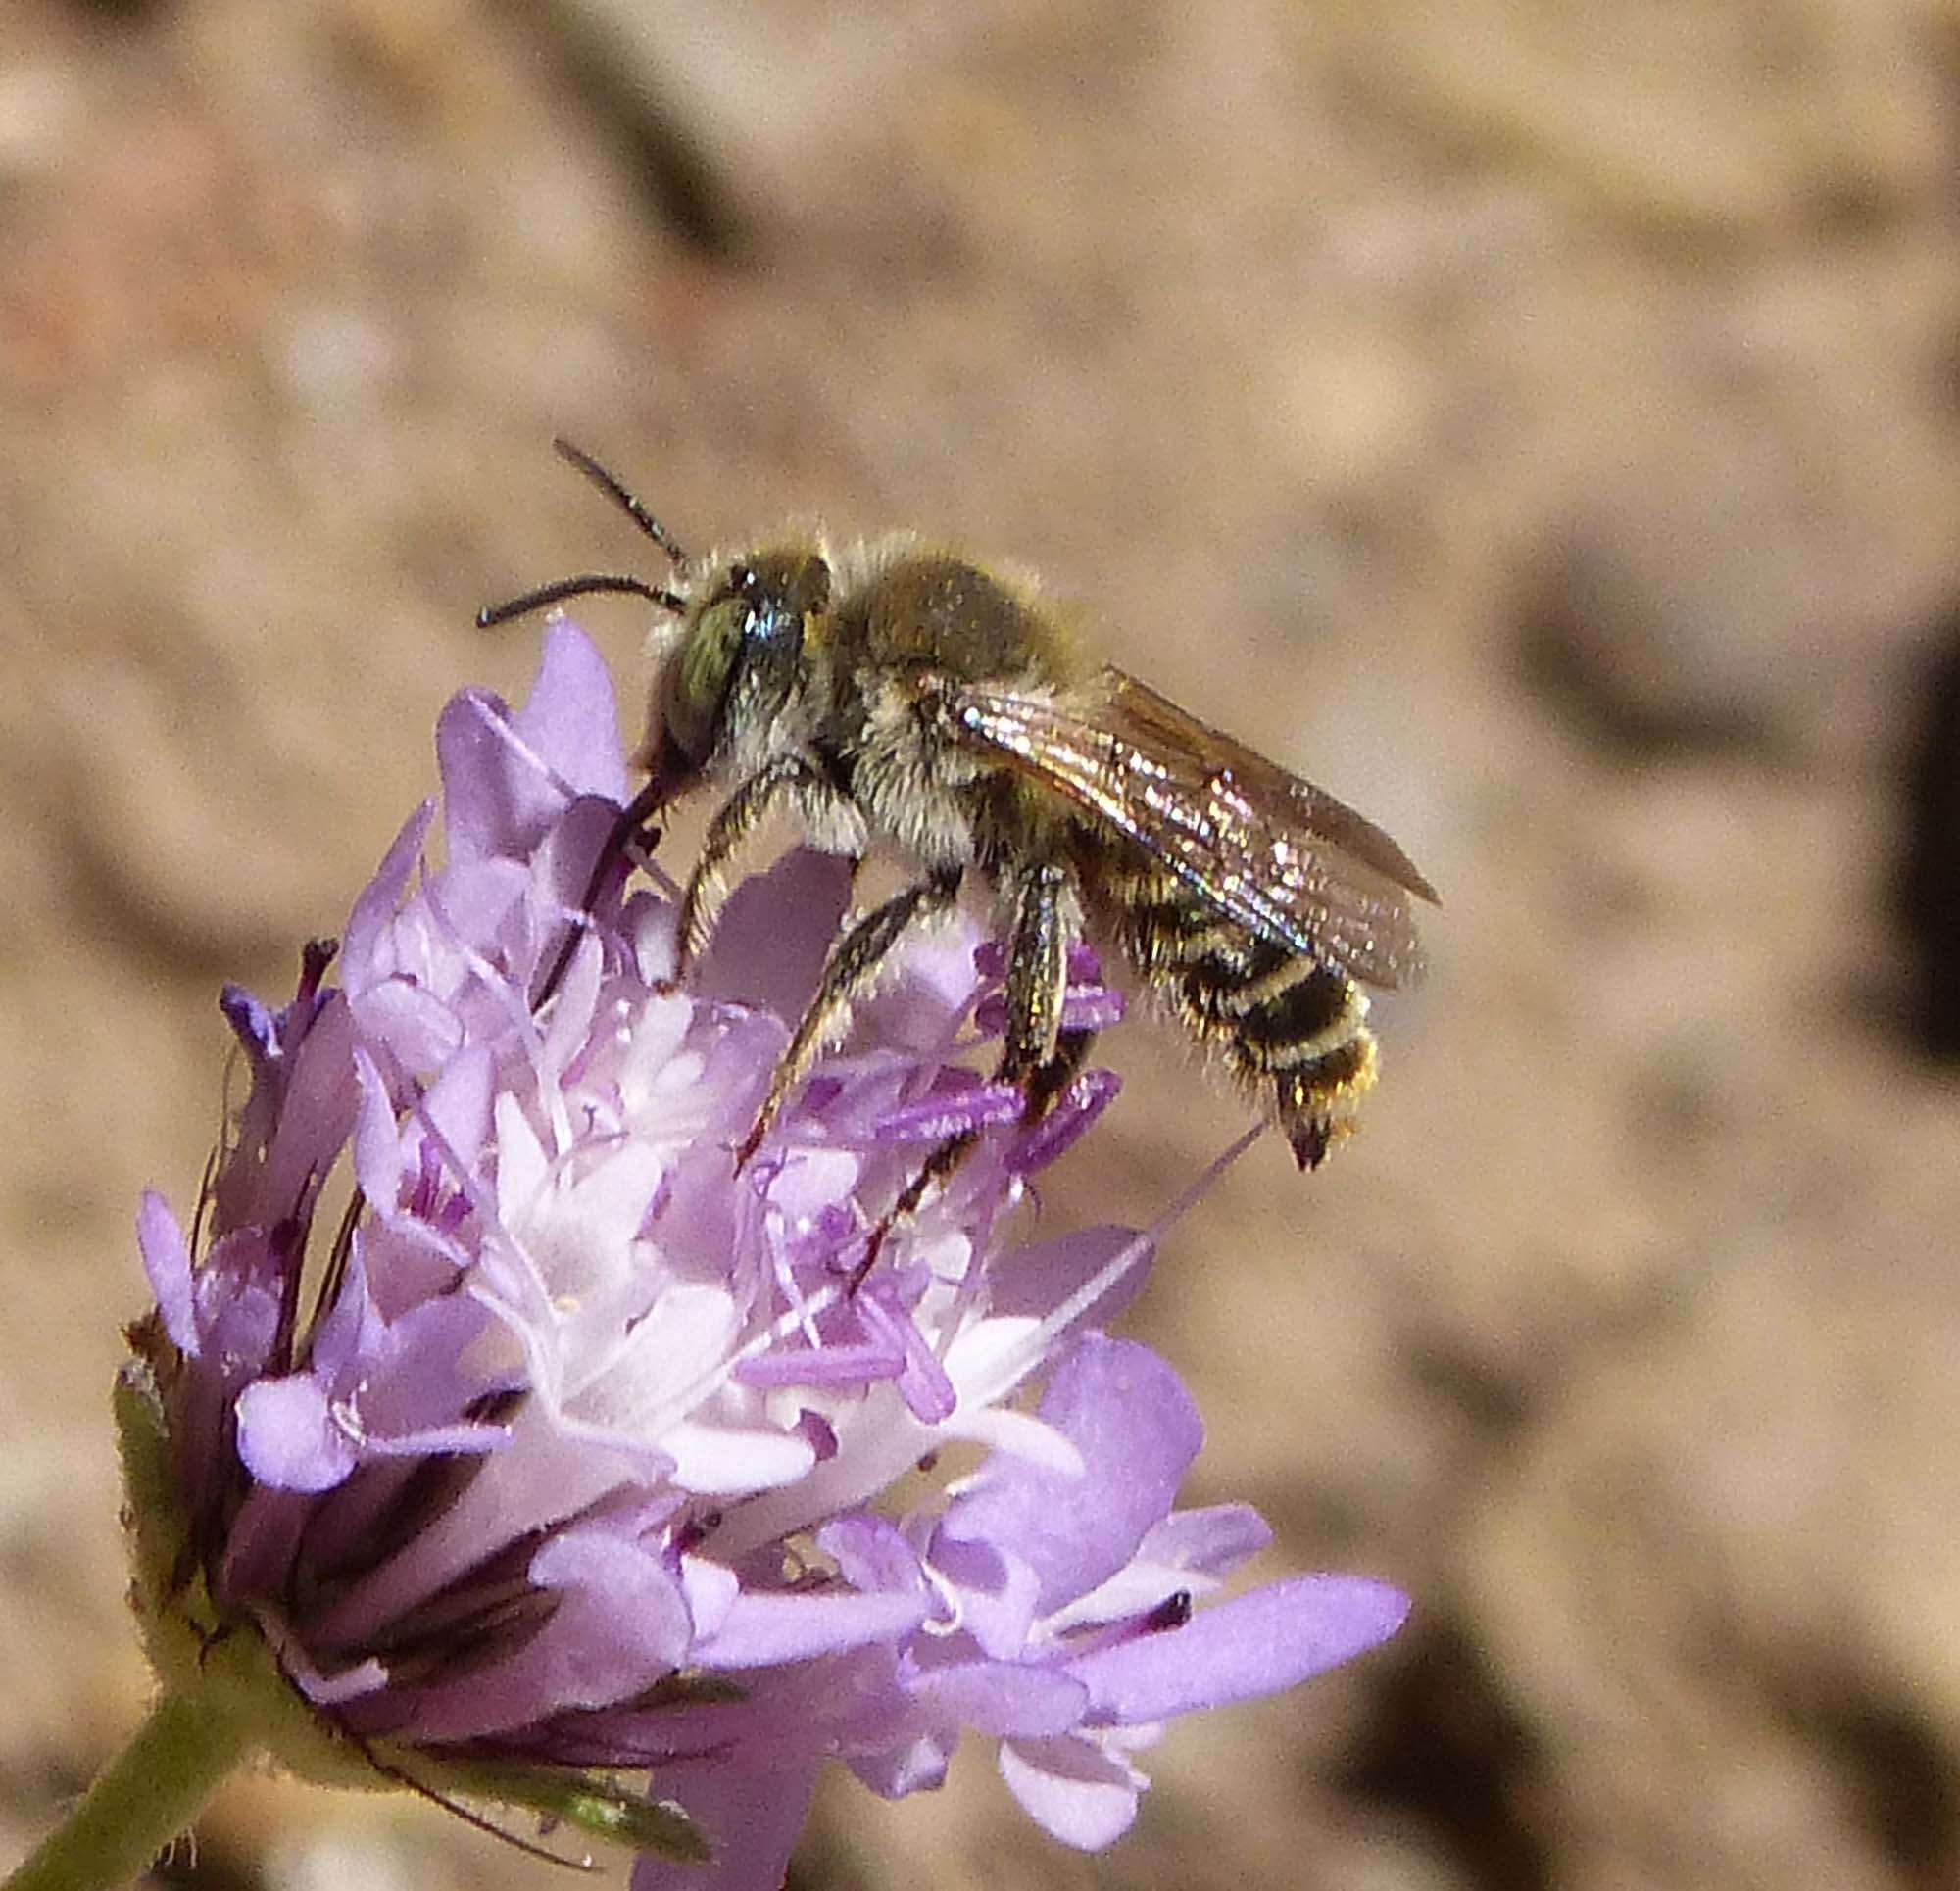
1288 1025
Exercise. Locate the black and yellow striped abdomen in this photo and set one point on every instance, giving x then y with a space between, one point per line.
1291 1028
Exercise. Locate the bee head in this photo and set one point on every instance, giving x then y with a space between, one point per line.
736 661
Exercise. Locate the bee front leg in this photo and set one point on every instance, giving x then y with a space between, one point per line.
792 782
848 974
625 830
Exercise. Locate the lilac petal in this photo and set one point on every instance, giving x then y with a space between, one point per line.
379 1164
418 1373
569 1023
998 1698
810 1183
350 1334
1254 1644
238 1302
316 1098
167 1261
472 914
776 932
915 1762
562 867
712 1590
997 1594
1137 1430
457 1104
1064 1126
571 717
728 1460
498 795
618 1625
378 901
930 986
1214 1540
1091 1007
1190 1551
251 1023
261 1545
288 1435
824 1366
755 1818
760 1629
872 1555
408 1260
978 1106
411 1022
1032 1282
929 1394
1071 1790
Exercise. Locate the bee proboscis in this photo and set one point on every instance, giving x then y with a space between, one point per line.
894 694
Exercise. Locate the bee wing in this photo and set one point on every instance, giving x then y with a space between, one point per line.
1281 856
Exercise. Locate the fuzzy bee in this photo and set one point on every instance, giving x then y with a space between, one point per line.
894 694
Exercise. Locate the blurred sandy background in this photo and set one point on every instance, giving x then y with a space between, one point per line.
1538 422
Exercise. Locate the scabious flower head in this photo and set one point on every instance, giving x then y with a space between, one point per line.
565 1450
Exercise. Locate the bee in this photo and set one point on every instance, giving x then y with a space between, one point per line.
896 695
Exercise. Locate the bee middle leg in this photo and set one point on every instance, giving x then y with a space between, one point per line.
849 972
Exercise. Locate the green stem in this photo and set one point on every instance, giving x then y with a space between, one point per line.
145 1796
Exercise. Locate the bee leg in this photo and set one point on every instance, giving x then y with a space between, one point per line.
942 1162
791 781
848 974
1038 941
1038 1053
1045 1084
625 830
1041 1086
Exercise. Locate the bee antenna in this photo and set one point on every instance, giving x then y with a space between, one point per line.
614 489
585 586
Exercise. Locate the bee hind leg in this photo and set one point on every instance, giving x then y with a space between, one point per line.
1037 1054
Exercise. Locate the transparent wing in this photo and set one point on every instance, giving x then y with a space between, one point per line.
1278 856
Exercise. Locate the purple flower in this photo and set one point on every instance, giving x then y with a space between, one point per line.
556 1447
